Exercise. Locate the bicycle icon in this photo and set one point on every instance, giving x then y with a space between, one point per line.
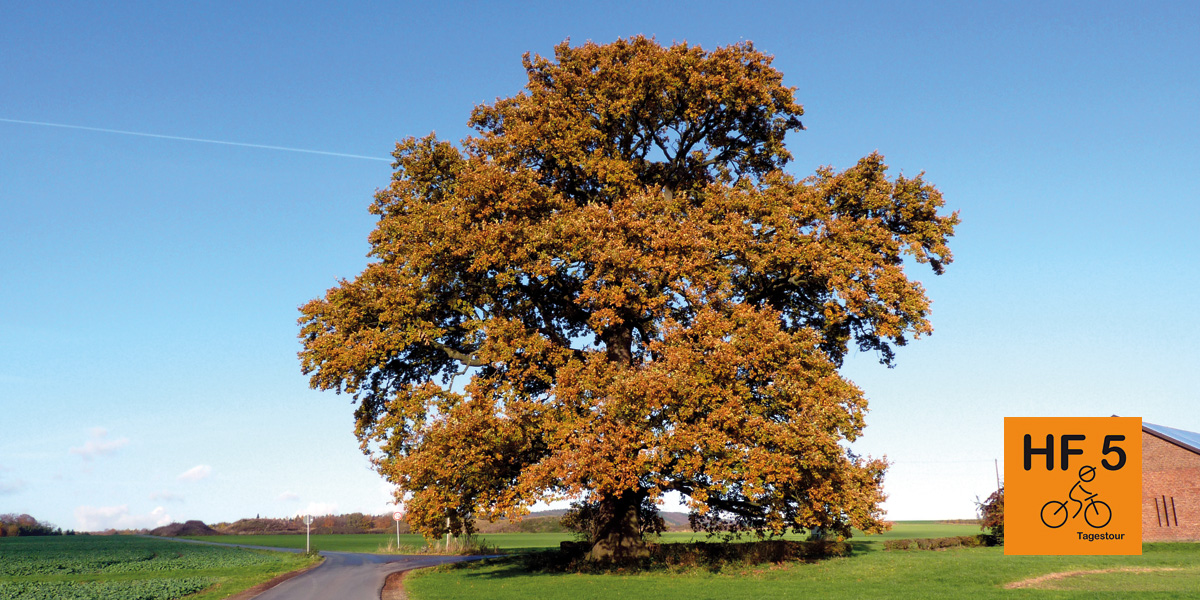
1096 513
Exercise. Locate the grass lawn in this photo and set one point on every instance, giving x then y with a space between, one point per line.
976 573
1163 571
133 567
861 541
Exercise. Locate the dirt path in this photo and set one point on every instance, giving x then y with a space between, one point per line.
393 587
1035 582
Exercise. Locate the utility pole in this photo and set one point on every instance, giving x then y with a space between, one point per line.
997 473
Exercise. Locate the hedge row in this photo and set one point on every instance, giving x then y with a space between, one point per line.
689 555
961 541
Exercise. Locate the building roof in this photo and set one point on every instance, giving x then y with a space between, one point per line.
1179 437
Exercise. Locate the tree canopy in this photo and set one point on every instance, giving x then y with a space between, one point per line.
613 290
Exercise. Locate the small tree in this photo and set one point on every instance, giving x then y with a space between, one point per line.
991 512
358 522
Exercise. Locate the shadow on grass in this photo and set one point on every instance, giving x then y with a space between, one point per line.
663 558
504 567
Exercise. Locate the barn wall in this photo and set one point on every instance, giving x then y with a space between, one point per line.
1172 473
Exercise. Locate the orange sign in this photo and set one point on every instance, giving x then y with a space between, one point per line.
1073 485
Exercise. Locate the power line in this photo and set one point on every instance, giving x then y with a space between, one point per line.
192 139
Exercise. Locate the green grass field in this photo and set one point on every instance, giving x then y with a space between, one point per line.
126 567
519 542
1163 571
976 573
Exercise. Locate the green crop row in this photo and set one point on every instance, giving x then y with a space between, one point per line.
143 589
115 554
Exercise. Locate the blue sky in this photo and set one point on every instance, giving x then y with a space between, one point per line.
148 369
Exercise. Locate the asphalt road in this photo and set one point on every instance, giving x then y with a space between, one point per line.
343 575
351 576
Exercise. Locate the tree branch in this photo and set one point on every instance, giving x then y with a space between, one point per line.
468 360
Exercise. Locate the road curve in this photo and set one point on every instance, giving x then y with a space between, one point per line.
343 575
351 576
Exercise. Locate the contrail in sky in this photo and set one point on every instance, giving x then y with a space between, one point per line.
191 139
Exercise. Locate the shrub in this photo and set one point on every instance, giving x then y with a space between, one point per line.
712 556
992 512
962 541
465 545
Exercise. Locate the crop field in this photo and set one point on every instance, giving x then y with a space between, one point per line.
125 567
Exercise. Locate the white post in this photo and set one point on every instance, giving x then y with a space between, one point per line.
396 517
447 534
307 533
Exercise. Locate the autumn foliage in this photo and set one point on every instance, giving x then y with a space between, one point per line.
13 525
614 291
991 512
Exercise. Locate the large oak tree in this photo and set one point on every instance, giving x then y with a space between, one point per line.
615 291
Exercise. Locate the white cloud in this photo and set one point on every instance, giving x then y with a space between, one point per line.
10 486
319 508
99 445
166 497
288 497
195 473
99 518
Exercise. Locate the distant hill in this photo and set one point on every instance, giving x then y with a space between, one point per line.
184 529
676 521
322 524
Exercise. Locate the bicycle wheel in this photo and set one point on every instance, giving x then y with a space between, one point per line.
1097 514
1054 518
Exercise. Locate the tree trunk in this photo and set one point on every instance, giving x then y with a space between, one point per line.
618 533
618 345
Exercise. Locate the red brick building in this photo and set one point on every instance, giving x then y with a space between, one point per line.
1170 484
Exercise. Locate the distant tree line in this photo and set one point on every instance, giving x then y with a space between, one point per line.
363 523
348 523
537 522
14 525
